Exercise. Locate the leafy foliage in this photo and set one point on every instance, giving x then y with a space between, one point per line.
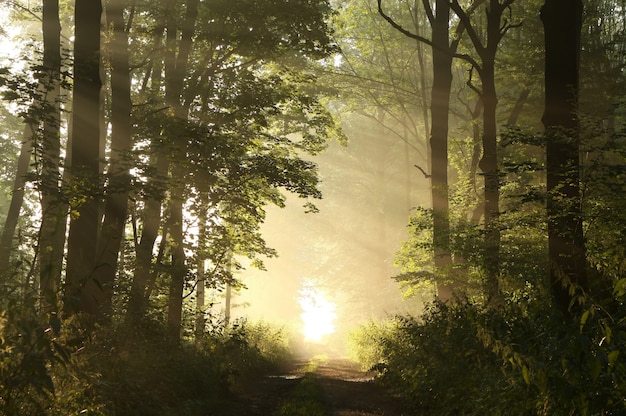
519 360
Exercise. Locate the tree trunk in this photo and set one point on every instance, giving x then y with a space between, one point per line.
175 70
489 166
151 219
151 215
54 212
17 198
116 202
201 282
562 21
440 106
82 292
179 272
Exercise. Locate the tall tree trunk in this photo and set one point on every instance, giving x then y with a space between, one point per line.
489 166
82 293
489 162
562 21
151 215
17 199
440 106
175 70
178 270
52 236
116 202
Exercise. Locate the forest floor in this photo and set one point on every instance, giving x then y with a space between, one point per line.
316 387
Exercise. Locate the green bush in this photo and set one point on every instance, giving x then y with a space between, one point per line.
127 370
466 359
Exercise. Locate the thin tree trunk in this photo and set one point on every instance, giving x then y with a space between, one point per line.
489 162
177 277
151 215
151 220
175 70
201 283
17 198
227 305
116 202
518 107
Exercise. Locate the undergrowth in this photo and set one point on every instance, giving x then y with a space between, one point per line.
467 359
128 370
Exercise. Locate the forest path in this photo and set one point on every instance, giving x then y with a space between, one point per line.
317 387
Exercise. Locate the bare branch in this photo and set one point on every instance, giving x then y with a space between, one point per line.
429 42
471 85
469 28
426 175
400 29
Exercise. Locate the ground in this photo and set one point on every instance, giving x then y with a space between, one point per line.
340 388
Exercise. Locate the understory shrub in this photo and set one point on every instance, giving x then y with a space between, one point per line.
129 370
466 359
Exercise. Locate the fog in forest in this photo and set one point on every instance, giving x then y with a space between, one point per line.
345 252
312 207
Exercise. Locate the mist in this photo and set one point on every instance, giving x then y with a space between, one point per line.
345 252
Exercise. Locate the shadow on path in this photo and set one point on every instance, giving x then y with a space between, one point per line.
344 389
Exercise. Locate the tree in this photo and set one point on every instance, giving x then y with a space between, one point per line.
53 220
219 114
83 293
118 173
443 51
562 22
487 50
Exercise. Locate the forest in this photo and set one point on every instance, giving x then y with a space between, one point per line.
439 185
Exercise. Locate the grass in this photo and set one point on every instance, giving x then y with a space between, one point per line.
306 398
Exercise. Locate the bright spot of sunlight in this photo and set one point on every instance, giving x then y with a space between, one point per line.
318 314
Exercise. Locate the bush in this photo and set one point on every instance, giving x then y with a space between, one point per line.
465 359
127 370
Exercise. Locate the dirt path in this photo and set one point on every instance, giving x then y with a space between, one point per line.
344 390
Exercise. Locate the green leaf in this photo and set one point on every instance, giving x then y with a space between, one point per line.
526 375
584 318
612 357
620 287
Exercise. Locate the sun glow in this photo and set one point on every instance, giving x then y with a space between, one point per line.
318 314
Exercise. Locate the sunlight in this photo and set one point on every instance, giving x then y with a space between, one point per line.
318 314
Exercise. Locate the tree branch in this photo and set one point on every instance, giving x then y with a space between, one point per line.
427 41
426 175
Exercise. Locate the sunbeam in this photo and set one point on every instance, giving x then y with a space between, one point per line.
318 314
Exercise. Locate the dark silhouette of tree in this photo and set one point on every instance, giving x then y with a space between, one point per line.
83 293
486 68
52 238
562 20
